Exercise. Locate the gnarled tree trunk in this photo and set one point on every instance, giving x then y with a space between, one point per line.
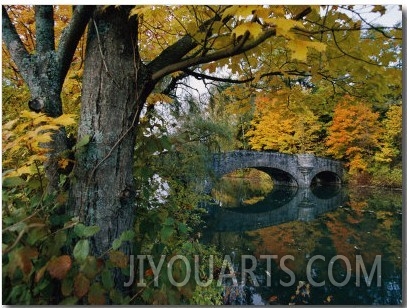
103 191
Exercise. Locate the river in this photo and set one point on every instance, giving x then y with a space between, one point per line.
324 245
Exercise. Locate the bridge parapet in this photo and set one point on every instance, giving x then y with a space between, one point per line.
285 169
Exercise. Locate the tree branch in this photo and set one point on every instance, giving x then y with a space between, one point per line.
71 35
201 76
243 45
224 53
14 44
174 53
373 27
44 28
351 56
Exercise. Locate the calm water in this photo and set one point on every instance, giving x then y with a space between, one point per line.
314 240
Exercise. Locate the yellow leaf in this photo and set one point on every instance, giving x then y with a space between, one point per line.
176 74
43 138
254 28
158 97
40 273
64 162
36 158
21 127
16 145
211 67
278 10
284 25
40 119
216 26
257 77
64 120
44 128
199 36
298 49
242 10
317 46
230 11
30 114
379 8
140 10
25 170
222 42
9 125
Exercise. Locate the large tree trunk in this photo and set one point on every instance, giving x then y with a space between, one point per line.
103 191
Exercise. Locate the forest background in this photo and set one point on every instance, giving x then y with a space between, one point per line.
292 79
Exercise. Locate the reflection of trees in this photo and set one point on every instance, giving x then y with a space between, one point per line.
237 243
242 187
361 227
369 224
355 229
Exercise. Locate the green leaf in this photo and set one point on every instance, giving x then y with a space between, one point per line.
107 280
81 143
116 243
79 229
69 301
166 232
81 250
35 235
188 246
127 235
183 229
169 221
90 267
13 181
67 286
166 142
83 231
91 230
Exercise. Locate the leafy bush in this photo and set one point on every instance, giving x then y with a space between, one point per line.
47 257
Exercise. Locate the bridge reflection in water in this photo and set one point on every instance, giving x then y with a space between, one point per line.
282 204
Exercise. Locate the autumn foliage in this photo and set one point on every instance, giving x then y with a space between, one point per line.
354 135
284 128
293 59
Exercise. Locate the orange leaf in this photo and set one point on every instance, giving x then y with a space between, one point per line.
118 258
148 272
81 285
96 295
22 258
59 267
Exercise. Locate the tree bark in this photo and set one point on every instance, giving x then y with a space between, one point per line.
114 92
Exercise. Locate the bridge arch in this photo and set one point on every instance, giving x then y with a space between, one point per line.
326 178
279 176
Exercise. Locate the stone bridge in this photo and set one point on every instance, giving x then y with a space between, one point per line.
299 170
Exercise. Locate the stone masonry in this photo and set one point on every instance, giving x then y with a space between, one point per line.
285 169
